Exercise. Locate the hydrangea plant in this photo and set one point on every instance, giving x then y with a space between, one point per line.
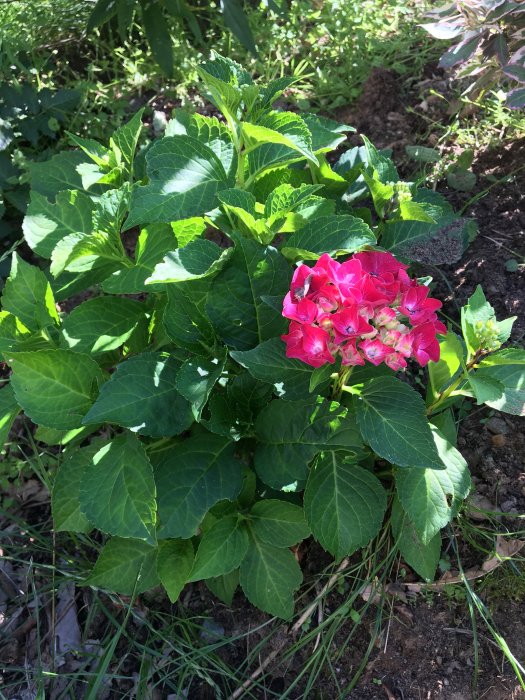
183 338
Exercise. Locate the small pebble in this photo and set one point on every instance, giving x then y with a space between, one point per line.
497 426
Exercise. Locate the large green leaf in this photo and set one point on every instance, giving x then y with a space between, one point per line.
13 332
221 549
291 433
9 409
344 505
391 416
510 380
154 242
59 173
191 478
45 224
287 129
236 20
224 587
431 497
196 379
28 296
101 324
437 244
117 492
174 564
423 558
208 130
126 566
328 234
184 179
326 134
234 304
142 396
100 253
268 363
158 34
200 258
184 318
269 576
55 388
65 499
278 523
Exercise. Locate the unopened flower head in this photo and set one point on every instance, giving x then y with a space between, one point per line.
366 309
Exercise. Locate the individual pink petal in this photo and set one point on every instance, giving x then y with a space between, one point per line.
395 361
304 311
374 351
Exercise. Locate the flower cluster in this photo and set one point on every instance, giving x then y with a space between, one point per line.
366 308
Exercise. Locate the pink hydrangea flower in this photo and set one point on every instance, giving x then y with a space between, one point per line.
366 309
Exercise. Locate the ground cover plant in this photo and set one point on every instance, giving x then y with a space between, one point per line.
216 405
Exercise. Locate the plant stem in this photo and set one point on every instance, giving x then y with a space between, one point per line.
339 383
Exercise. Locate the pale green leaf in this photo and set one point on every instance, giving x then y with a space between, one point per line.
278 523
328 234
423 558
200 258
65 498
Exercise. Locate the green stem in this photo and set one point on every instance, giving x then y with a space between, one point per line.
449 392
339 383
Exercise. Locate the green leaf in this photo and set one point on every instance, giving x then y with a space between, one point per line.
221 549
511 379
224 587
326 134
45 224
142 396
291 433
9 409
28 296
195 380
269 576
111 209
222 77
184 179
103 11
174 564
209 131
59 173
507 356
423 154
278 523
236 20
117 491
234 306
55 388
431 497
154 242
344 505
441 243
485 388
328 234
423 558
184 318
268 363
276 128
286 198
283 137
451 354
191 478
391 416
65 499
187 230
158 34
232 412
200 258
126 137
12 332
125 566
101 324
